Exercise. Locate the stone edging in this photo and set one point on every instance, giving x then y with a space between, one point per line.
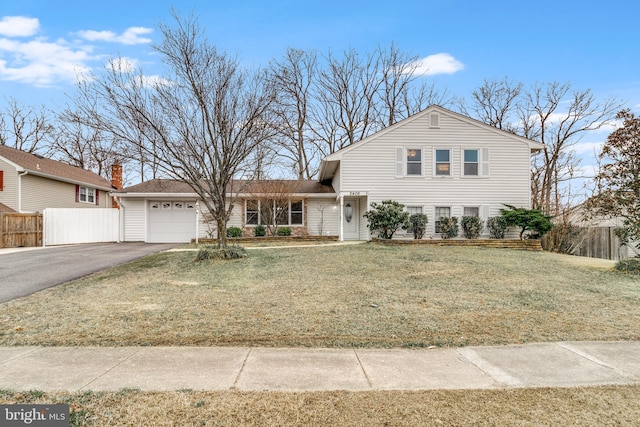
529 244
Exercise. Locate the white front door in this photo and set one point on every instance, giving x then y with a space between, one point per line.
350 219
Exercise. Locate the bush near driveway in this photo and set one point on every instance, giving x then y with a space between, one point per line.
367 295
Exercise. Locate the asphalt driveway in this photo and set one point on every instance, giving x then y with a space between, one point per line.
27 271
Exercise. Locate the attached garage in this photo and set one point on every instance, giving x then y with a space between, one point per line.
171 221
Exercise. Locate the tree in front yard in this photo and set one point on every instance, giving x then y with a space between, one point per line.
618 181
386 218
203 122
526 219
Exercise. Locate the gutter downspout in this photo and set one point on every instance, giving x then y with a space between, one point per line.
341 218
121 218
20 175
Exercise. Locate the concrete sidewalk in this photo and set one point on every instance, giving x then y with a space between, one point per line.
563 364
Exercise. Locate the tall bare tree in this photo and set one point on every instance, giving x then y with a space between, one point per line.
402 91
558 117
551 113
293 78
494 103
206 116
26 128
346 92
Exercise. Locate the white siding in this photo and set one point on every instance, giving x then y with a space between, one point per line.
371 168
9 194
134 220
322 217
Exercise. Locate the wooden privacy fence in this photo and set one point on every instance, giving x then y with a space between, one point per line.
20 230
594 242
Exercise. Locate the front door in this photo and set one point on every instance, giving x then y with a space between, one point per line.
350 219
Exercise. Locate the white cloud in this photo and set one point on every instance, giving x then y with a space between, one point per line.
439 63
123 64
588 147
18 26
40 62
130 36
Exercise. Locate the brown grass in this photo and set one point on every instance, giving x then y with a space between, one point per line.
595 406
344 296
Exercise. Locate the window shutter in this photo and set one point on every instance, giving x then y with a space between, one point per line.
484 212
399 162
1 180
97 194
77 193
485 162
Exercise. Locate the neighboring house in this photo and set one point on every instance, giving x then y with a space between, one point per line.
31 183
436 162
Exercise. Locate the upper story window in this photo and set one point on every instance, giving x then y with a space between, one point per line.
86 194
471 162
443 162
414 161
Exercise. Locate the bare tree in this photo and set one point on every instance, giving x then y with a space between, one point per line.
83 146
26 128
346 92
205 118
550 113
402 91
292 78
558 117
494 103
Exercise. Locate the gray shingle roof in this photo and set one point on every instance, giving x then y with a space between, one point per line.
252 187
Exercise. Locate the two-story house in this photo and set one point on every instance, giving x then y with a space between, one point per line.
32 183
436 162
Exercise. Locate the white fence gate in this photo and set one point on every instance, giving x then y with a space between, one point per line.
63 226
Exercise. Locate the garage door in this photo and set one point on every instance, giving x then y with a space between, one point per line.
172 221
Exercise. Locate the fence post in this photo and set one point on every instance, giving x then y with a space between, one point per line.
44 211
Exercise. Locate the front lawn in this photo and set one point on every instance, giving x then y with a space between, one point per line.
366 295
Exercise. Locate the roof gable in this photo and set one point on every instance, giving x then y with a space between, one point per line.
534 145
53 169
330 163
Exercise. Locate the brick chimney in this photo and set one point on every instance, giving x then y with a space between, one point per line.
116 181
116 176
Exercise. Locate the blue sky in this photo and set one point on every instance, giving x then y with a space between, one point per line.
592 45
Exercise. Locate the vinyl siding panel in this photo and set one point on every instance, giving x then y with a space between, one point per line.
371 168
134 220
9 193
39 193
322 218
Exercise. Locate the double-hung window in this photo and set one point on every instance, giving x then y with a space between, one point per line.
443 162
441 212
471 162
471 211
86 195
414 161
